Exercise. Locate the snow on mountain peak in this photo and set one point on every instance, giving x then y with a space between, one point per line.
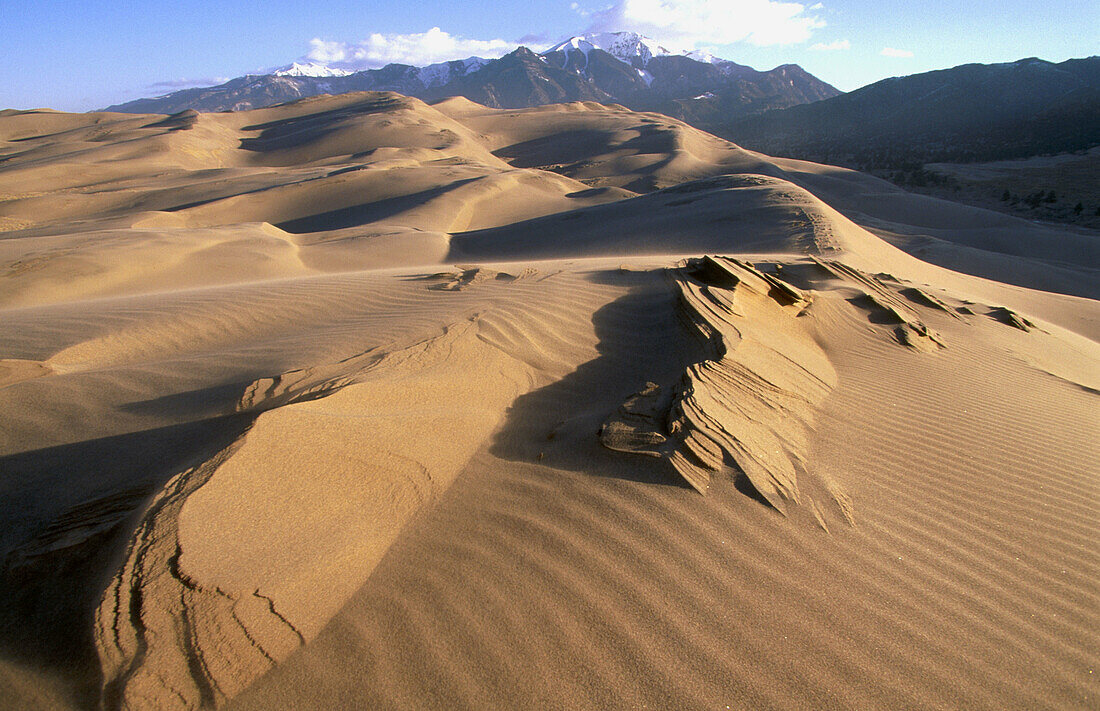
701 55
442 72
630 47
310 69
627 46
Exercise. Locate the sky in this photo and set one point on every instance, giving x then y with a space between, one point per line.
80 55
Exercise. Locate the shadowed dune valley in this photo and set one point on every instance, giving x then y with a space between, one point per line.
363 401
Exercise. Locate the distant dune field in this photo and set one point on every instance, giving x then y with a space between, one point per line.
360 402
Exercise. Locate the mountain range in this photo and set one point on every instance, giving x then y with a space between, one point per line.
973 112
620 67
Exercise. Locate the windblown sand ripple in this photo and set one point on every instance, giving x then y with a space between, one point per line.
361 402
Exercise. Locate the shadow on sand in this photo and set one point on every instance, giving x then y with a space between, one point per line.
51 582
640 340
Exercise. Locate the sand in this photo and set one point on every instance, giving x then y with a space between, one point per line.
358 402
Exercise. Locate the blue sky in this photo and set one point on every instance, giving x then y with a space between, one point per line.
80 55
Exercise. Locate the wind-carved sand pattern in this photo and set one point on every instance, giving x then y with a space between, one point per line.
876 296
750 404
467 275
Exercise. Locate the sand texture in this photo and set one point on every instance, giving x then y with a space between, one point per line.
359 402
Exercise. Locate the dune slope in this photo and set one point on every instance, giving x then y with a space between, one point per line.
361 402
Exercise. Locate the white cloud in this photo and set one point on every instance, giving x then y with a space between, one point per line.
417 49
687 24
891 52
831 46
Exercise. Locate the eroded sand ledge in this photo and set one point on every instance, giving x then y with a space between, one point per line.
220 575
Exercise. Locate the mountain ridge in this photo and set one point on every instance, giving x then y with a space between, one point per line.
622 67
971 112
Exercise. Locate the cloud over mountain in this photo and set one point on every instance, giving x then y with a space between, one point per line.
417 48
693 23
682 24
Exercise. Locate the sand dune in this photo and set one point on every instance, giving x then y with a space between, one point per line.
361 402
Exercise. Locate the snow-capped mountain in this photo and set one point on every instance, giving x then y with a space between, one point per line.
630 47
309 69
701 55
611 67
443 73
